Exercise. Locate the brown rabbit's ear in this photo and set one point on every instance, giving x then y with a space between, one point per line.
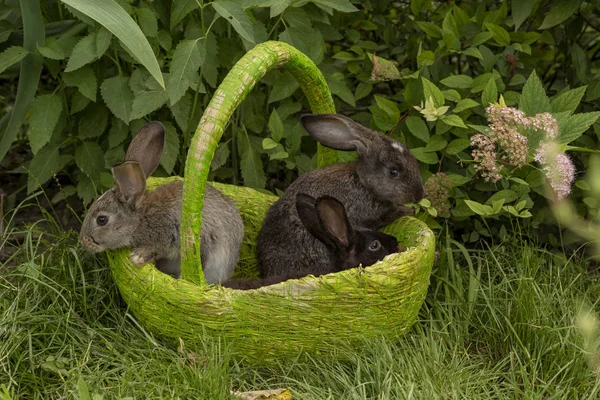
147 147
130 180
338 132
334 220
307 211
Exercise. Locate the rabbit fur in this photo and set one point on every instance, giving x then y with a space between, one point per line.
148 221
325 218
373 189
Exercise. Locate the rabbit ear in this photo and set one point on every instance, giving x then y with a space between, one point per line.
147 146
130 180
307 211
338 132
334 220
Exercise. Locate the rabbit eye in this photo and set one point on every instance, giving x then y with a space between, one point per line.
102 220
375 245
394 172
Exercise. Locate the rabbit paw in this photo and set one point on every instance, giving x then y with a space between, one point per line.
139 257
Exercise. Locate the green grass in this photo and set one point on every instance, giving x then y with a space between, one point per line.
496 324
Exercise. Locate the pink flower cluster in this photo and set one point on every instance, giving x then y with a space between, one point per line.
438 188
557 167
506 123
484 154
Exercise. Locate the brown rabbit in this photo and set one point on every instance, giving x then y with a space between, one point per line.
325 218
372 189
128 215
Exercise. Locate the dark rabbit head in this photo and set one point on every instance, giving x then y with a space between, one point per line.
325 218
385 166
111 221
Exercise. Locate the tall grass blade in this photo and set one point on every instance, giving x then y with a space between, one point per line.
31 69
114 18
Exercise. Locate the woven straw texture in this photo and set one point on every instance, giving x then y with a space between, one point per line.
312 315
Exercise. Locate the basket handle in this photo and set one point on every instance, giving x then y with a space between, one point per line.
230 93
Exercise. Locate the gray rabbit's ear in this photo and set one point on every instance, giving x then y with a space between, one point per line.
307 211
147 147
338 132
130 180
334 220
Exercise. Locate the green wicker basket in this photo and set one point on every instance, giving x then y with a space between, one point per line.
309 315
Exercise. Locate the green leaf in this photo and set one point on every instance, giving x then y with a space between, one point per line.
458 180
506 195
436 143
580 62
340 5
268 144
338 87
181 111
575 125
383 70
275 126
147 21
500 34
165 40
83 53
220 157
11 56
84 79
237 17
280 155
52 50
45 111
568 101
310 42
118 132
425 156
465 104
458 81
521 10
86 189
179 10
90 159
118 96
363 90
490 94
114 18
43 166
473 52
481 38
251 165
78 102
103 40
187 59
453 120
285 85
93 121
431 30
389 107
148 101
479 208
426 58
533 99
82 389
171 153
430 90
418 128
560 11
457 145
452 95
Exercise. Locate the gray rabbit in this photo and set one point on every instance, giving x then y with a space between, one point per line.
347 247
372 189
148 221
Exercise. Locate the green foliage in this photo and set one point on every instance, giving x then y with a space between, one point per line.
422 74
